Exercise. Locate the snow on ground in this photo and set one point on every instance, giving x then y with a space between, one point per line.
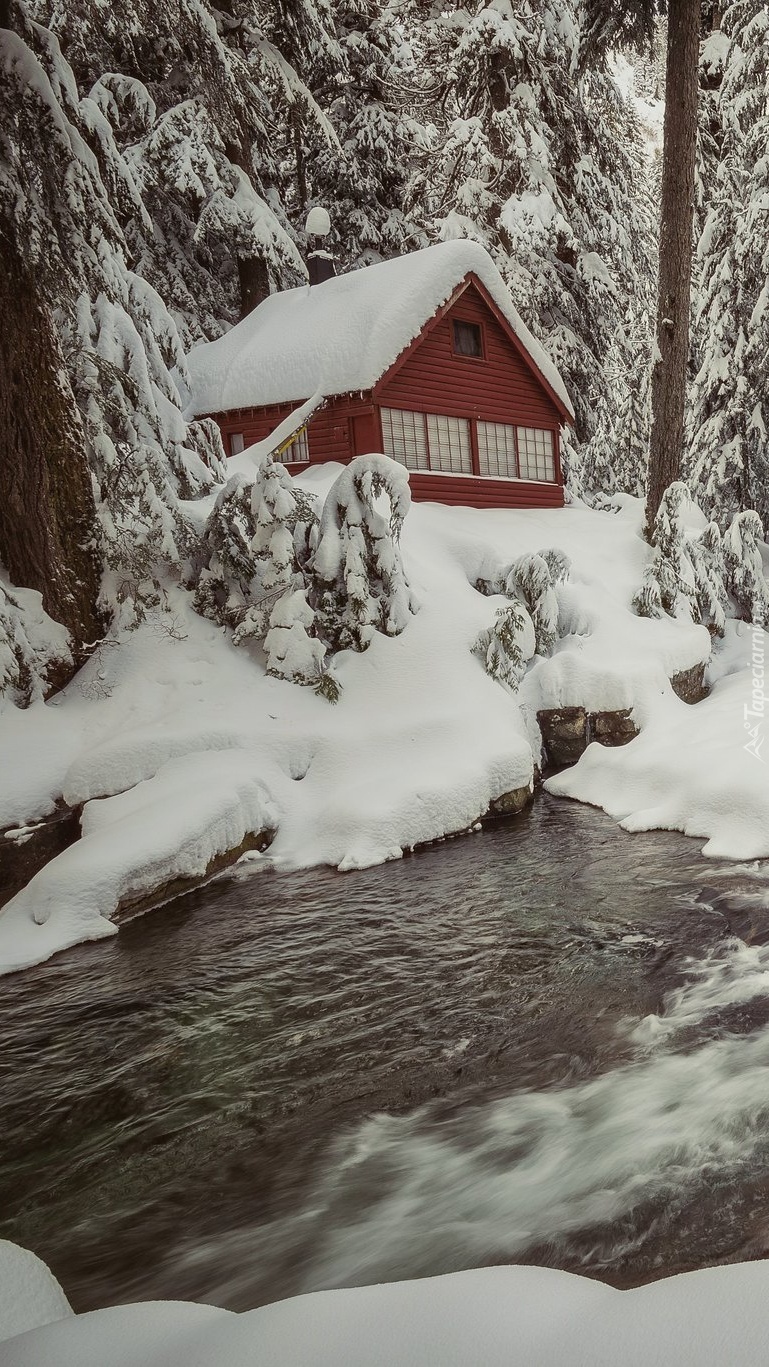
490 1317
179 744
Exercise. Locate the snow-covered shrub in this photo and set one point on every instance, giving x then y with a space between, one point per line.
356 576
668 584
706 554
502 647
533 578
292 652
257 541
743 567
224 579
34 651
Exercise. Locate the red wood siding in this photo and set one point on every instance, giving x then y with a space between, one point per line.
499 388
468 491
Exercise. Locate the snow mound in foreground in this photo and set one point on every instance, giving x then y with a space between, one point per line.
29 1293
490 1317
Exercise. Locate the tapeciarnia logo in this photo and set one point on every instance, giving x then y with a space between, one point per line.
754 714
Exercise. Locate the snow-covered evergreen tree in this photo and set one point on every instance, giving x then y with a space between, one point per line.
707 558
363 183
728 466
293 653
357 582
505 646
534 578
542 162
743 566
257 541
668 584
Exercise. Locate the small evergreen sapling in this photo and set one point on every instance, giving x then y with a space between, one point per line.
706 554
502 646
357 582
744 567
533 578
669 583
292 652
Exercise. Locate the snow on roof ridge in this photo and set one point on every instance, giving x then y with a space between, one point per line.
341 336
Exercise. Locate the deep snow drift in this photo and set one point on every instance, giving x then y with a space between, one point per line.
179 744
490 1317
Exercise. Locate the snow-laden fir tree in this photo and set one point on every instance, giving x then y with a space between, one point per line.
707 558
668 585
743 567
505 646
728 466
534 579
293 651
541 160
364 181
357 584
257 541
67 195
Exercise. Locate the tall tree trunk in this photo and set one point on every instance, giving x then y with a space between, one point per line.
675 271
47 513
254 282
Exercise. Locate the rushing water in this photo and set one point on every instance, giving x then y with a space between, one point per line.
548 1043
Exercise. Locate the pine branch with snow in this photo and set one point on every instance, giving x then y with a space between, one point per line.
502 647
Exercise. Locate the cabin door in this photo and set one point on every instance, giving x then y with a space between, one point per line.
365 434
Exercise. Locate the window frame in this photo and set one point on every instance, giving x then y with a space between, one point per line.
473 323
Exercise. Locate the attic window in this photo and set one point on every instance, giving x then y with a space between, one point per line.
468 340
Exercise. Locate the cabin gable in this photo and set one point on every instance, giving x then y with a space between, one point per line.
432 377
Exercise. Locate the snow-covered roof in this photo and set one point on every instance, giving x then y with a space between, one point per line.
341 336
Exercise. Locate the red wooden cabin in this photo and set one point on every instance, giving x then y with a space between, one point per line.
422 358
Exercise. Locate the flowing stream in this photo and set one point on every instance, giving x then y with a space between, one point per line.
545 1043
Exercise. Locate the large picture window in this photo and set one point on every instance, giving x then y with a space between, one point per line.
496 450
427 441
535 453
434 441
449 444
404 438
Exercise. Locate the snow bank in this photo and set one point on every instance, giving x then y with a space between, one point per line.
690 770
29 1294
491 1317
170 826
179 744
341 336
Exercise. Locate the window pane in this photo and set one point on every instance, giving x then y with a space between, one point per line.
535 453
403 437
496 449
467 339
449 440
236 443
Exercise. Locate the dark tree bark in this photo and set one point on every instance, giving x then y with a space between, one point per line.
47 513
675 271
254 282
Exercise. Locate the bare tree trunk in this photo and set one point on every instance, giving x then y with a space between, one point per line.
675 272
47 513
